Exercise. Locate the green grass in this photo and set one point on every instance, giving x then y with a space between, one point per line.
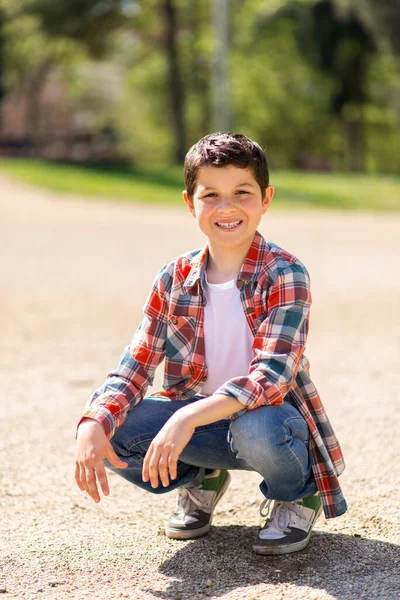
163 185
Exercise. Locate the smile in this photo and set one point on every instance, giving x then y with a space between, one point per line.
230 225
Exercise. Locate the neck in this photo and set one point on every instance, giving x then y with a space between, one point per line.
224 265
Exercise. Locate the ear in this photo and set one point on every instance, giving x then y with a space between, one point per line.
189 202
266 202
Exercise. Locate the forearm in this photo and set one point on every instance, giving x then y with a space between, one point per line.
210 410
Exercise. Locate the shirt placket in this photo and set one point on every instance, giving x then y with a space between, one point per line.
199 367
247 299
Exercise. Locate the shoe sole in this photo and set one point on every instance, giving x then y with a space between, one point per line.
181 534
286 548
265 551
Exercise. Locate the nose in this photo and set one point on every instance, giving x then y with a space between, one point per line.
226 204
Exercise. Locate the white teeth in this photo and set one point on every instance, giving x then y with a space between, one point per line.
228 225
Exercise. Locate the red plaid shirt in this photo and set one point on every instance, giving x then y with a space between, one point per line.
275 293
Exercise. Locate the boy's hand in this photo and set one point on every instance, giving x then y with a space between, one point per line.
163 453
92 448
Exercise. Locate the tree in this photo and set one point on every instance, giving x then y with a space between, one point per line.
2 57
381 17
175 84
340 46
90 22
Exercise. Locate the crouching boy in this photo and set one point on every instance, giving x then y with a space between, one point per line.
231 322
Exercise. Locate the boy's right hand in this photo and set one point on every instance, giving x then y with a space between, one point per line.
92 448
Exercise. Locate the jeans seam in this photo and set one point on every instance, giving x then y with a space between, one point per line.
293 453
231 452
233 458
147 438
137 441
210 427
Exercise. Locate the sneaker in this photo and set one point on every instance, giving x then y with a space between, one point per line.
288 529
195 507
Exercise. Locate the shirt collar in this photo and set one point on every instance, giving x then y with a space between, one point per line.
250 270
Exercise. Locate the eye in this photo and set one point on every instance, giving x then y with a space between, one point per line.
243 192
209 195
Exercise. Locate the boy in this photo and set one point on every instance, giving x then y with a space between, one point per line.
231 321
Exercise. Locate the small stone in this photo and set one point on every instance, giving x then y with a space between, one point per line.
53 583
40 589
3 589
209 583
357 535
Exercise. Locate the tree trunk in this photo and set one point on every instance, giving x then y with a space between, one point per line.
220 86
355 135
175 81
197 75
34 99
2 67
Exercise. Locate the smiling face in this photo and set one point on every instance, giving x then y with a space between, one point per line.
228 205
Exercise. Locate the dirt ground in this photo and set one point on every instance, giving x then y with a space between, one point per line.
73 277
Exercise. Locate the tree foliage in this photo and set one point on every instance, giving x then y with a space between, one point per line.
88 21
315 81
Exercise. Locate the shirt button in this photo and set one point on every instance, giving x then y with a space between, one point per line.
175 321
240 283
249 310
204 378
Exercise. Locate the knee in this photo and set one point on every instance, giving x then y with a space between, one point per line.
141 425
267 428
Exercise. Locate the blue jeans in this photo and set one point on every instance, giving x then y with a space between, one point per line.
272 440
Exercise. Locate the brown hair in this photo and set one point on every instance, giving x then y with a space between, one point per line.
226 148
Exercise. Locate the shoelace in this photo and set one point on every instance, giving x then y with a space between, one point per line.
187 498
280 515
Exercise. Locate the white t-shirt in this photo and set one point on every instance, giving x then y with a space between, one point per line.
227 336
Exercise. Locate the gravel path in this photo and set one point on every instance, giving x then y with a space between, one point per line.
73 278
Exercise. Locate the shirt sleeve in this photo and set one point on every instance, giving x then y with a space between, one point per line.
126 385
279 342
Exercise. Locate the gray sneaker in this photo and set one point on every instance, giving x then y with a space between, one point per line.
195 506
288 529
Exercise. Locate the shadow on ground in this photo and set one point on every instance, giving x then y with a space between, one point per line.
342 565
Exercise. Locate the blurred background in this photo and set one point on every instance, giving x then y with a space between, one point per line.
124 87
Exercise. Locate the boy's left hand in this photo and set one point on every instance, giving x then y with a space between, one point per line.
162 456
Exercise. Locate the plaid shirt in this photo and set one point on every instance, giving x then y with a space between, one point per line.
275 293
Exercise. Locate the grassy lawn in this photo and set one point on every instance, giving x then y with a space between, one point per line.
164 185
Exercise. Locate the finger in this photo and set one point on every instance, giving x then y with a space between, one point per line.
102 479
114 458
173 466
91 485
78 477
153 468
163 469
82 476
145 468
153 473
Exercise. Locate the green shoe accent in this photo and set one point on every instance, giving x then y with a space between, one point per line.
214 484
313 502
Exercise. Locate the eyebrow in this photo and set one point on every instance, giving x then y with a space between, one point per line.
245 184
